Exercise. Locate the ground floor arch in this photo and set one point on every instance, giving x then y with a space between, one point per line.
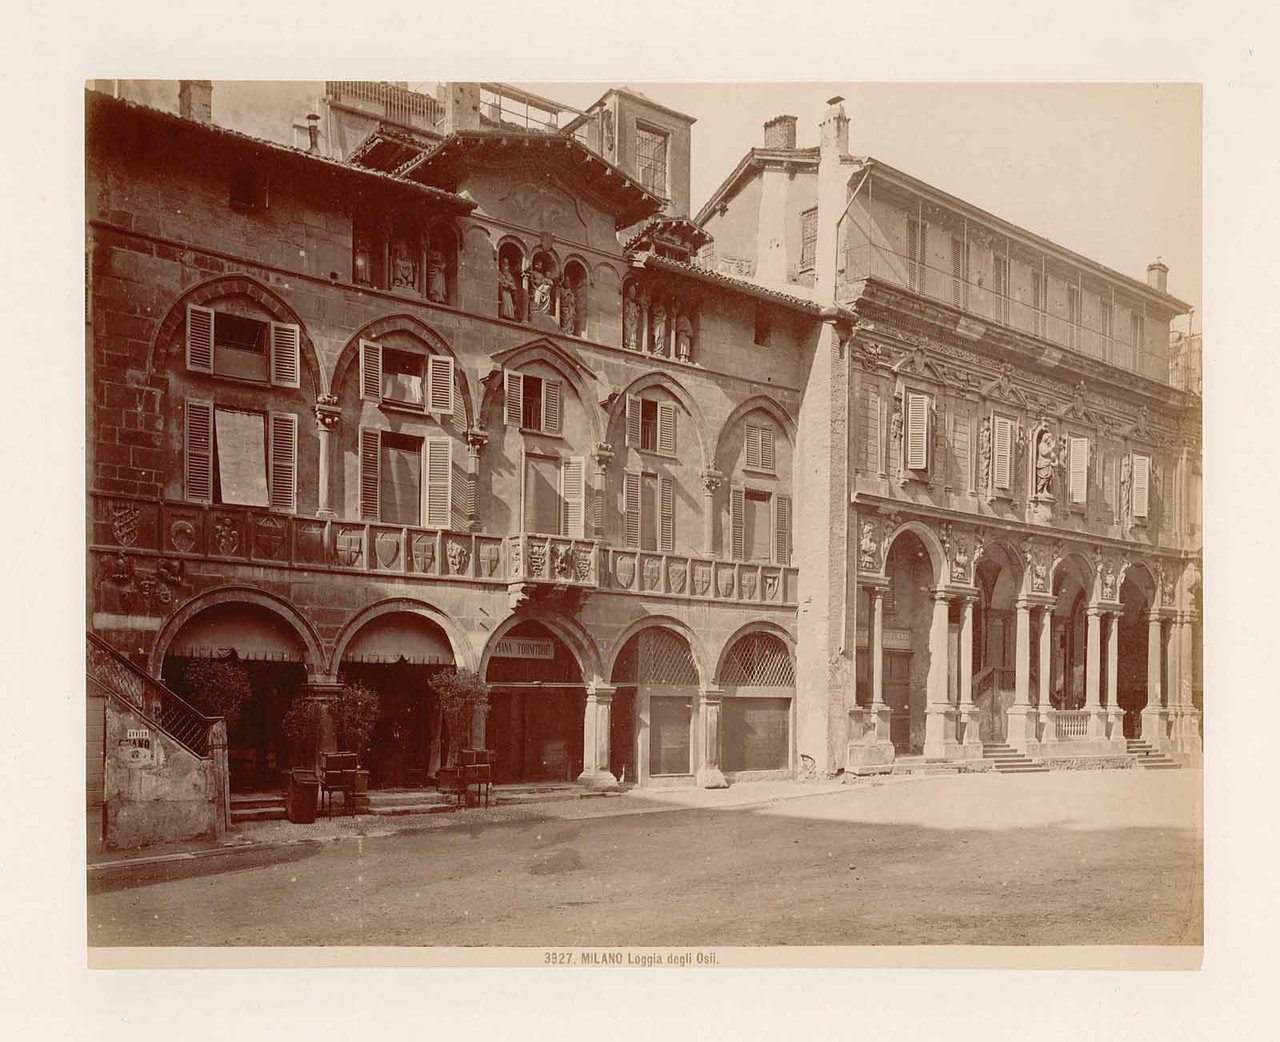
757 679
654 723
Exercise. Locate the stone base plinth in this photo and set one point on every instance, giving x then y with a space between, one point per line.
1022 725
711 778
868 754
597 780
1071 748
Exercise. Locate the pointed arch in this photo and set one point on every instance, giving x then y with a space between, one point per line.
618 406
764 403
696 648
169 332
565 361
463 653
569 631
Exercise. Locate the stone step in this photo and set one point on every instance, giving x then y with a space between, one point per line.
258 814
397 809
246 801
405 797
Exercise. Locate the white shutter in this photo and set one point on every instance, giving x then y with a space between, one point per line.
286 341
440 384
199 339
552 397
737 520
573 496
1141 484
782 529
370 465
766 449
633 421
631 507
198 462
917 431
514 392
1002 454
370 371
282 460
753 446
1078 469
667 428
667 514
437 460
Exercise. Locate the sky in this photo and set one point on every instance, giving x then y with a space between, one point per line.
1112 171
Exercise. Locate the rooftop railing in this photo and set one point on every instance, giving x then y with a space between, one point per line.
392 102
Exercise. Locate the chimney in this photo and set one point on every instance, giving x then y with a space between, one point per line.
1158 275
195 100
461 106
780 132
835 128
313 133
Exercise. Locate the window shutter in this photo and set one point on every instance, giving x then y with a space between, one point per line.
737 520
552 395
440 384
633 421
573 496
667 509
370 371
631 507
514 386
782 529
370 452
437 457
286 343
667 428
199 451
1002 453
766 449
282 456
917 431
753 446
1078 469
199 339
1141 484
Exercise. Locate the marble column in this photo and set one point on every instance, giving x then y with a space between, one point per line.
1093 674
1046 668
710 703
938 707
971 714
603 457
877 645
1152 714
328 415
1186 678
476 439
1115 715
596 726
1021 716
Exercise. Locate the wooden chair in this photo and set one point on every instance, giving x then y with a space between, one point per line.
338 774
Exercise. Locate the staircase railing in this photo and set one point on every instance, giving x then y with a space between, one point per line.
177 718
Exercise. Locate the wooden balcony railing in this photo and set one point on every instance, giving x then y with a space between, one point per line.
397 104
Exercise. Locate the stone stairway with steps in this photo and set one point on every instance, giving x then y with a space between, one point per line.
257 806
1148 758
1006 760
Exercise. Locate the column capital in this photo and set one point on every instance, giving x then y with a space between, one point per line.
477 437
711 693
711 481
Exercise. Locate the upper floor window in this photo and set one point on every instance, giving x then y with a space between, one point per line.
649 509
225 344
555 495
1140 501
1002 443
915 450
651 159
917 236
248 188
651 425
240 457
405 480
760 524
808 238
759 454
407 379
1077 470
533 403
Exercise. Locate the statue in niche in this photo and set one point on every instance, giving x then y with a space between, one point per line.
404 274
895 429
363 260
568 308
508 290
684 337
437 280
867 548
658 318
631 319
1046 463
541 287
984 455
1126 484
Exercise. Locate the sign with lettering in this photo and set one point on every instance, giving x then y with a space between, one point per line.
524 647
138 732
894 640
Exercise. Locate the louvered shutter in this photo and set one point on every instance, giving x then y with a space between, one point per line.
1002 454
514 391
573 496
370 464
198 462
1078 469
633 421
917 431
440 384
437 458
286 343
753 446
782 529
766 449
370 371
552 397
1141 484
667 428
737 520
199 339
631 507
667 514
282 455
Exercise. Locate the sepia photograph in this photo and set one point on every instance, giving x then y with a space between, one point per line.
511 503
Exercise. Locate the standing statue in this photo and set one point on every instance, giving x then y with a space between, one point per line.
984 455
1046 463
658 317
895 431
684 337
568 308
1126 485
631 320
403 271
508 291
437 279
541 286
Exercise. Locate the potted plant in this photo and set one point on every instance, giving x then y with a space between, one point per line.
354 712
218 687
464 698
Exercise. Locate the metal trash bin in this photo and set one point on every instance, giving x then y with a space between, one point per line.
304 797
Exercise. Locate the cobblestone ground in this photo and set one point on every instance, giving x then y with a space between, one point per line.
1108 857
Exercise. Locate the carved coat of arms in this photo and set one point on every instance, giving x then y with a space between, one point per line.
701 578
624 570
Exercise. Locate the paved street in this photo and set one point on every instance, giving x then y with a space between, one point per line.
1106 857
